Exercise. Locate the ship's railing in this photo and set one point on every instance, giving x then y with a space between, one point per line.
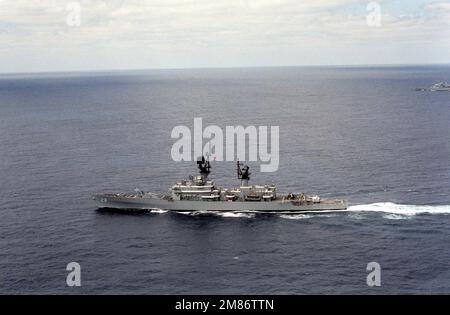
157 195
135 195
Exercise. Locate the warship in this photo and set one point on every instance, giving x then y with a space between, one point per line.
437 87
198 193
440 86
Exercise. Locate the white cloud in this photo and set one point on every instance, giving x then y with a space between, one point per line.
439 5
184 33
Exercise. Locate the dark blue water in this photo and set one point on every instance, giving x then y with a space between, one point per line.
360 133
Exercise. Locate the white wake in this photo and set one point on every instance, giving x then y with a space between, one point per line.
235 215
389 210
399 209
218 214
160 211
296 216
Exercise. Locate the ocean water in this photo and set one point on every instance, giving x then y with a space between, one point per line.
361 133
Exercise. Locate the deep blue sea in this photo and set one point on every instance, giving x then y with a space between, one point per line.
362 133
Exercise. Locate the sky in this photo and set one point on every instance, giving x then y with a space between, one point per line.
60 35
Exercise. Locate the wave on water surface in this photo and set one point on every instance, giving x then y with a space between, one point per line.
296 216
161 211
218 214
389 210
399 209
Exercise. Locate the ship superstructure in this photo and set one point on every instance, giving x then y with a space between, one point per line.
199 193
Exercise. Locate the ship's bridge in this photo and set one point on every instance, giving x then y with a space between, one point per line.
196 187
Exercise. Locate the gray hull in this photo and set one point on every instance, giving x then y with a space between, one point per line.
108 201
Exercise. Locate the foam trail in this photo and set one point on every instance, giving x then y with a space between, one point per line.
191 213
235 215
219 214
296 216
161 211
393 216
308 215
390 207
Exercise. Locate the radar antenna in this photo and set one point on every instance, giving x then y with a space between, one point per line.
243 173
203 165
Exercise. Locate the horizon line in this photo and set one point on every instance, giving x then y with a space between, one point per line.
223 68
